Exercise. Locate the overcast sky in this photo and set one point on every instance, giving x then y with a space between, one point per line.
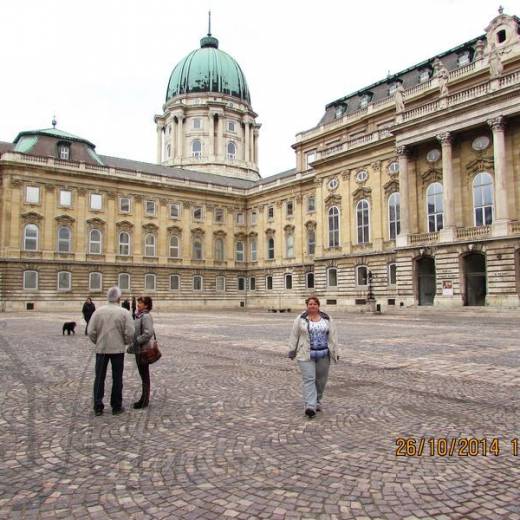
102 66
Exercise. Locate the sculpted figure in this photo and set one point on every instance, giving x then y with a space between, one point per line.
443 82
495 63
399 99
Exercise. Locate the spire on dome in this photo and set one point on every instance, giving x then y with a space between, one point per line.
209 41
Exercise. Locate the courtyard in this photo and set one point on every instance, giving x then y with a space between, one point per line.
420 420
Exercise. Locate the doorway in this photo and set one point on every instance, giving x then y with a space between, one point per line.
426 280
475 280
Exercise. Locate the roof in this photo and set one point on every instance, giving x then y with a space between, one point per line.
53 132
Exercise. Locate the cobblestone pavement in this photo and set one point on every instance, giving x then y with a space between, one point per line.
225 435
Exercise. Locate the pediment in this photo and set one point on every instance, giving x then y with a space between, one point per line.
31 215
96 221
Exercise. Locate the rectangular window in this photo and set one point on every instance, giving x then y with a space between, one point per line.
219 215
253 250
197 213
309 279
65 198
30 280
96 201
221 283
197 123
231 126
95 282
64 281
270 212
149 208
197 283
332 277
289 208
32 194
252 283
311 204
124 205
241 220
64 152
269 282
288 281
175 210
241 283
309 158
253 218
392 274
149 282
175 282
124 281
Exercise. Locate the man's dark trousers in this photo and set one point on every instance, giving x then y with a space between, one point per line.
118 364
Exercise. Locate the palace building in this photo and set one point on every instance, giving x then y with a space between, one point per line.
406 192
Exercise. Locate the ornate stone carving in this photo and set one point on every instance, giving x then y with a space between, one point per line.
253 234
16 181
198 231
333 200
392 186
270 231
402 151
346 175
479 50
125 225
289 228
444 138
31 216
376 166
82 191
480 164
174 230
496 68
399 99
95 222
150 227
310 225
65 219
361 193
497 124
431 175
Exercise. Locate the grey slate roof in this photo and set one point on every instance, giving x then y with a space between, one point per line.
5 147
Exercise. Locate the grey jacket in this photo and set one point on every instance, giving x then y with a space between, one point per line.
143 333
111 328
300 340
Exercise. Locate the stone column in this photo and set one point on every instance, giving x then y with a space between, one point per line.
173 136
81 231
49 233
246 141
499 151
162 235
255 148
404 196
159 143
180 137
447 233
110 237
220 138
137 239
211 140
251 143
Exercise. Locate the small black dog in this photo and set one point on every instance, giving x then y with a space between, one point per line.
69 326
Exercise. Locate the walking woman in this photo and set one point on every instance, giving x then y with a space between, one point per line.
313 344
143 334
87 310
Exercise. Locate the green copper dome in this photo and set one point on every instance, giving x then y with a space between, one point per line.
208 69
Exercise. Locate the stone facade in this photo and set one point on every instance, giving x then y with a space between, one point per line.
406 193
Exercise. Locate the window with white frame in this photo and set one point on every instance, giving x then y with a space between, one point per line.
288 281
483 199
175 247
197 123
241 283
219 215
30 237
361 275
231 151
96 201
123 281
424 75
66 198
289 245
365 100
197 249
219 250
394 215
64 239
392 274
149 244
196 149
393 167
95 281
252 283
253 250
269 282
270 212
333 227
124 205
463 59
150 281
197 283
363 222
270 248
32 194
197 213
240 218
332 277
231 126
311 241
149 208
311 204
30 280
124 243
94 242
309 280
64 281
253 217
175 210
64 151
434 206
239 251
220 283
310 157
175 282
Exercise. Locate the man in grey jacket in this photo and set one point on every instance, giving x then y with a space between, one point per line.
111 328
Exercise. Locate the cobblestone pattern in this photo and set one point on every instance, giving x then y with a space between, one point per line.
225 435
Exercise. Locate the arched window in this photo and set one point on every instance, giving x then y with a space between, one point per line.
435 207
483 199
124 243
311 241
363 222
333 227
253 250
196 149
197 283
309 280
362 275
394 215
95 281
64 239
94 242
30 237
332 277
289 246
149 244
175 250
149 282
270 248
197 249
123 281
219 250
239 251
175 282
231 151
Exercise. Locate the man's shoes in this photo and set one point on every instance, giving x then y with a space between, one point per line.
98 412
117 411
310 413
140 404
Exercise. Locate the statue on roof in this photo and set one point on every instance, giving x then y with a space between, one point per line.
442 75
399 99
495 62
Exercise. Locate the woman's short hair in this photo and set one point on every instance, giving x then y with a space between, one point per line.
148 302
310 298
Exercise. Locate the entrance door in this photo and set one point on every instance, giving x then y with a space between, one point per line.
426 280
475 279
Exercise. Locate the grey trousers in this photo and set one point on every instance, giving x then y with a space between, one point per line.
315 375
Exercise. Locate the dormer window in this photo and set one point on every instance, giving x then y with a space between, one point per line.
501 36
424 75
64 151
392 88
463 59
340 110
365 100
